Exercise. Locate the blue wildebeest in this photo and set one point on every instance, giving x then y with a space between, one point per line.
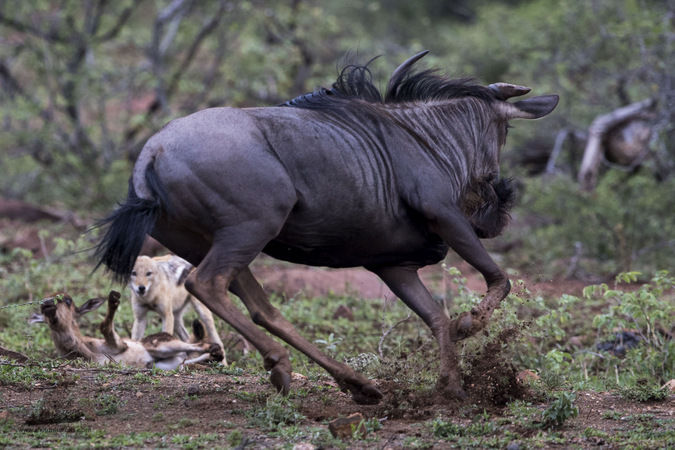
341 177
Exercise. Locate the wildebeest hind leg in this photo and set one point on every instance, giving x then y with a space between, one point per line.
213 293
406 284
210 283
246 287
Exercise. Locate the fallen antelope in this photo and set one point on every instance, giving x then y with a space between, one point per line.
341 177
160 350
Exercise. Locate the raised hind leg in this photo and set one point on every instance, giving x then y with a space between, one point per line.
246 287
107 327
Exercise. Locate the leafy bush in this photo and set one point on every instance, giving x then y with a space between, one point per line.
650 312
643 391
562 409
624 225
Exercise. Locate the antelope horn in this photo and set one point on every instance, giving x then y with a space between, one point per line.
403 67
506 91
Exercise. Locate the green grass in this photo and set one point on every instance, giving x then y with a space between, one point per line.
383 341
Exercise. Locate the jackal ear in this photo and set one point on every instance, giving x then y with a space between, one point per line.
90 305
531 108
37 318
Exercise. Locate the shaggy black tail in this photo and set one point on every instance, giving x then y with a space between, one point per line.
127 227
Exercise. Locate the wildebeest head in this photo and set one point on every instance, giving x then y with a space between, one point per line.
476 119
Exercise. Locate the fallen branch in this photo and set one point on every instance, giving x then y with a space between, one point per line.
599 128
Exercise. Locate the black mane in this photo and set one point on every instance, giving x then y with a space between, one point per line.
355 82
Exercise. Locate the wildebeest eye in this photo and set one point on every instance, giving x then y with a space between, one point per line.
68 301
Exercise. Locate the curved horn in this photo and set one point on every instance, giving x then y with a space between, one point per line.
404 67
506 91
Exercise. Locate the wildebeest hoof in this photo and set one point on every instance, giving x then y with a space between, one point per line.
454 392
281 380
363 391
449 385
367 395
463 326
216 352
280 371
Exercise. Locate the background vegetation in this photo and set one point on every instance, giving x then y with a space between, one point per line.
86 82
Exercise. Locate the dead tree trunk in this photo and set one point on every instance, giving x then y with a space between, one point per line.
601 126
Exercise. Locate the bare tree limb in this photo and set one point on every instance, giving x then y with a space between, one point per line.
206 29
26 28
588 172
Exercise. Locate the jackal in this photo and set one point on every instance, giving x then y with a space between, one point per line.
158 284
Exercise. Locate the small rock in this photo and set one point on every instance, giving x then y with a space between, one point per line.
342 428
526 376
670 385
513 446
575 343
139 394
298 377
343 311
193 390
303 446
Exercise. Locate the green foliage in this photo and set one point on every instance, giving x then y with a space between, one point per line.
481 425
622 226
31 375
107 404
643 391
275 412
234 438
561 410
649 310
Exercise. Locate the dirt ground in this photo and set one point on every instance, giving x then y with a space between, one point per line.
200 402
197 403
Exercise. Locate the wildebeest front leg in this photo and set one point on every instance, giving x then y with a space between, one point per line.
457 232
406 284
246 287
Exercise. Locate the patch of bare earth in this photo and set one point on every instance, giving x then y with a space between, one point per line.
199 402
218 404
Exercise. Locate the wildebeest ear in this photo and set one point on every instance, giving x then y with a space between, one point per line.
531 108
90 305
37 318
